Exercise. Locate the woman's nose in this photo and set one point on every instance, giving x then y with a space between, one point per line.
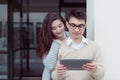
58 30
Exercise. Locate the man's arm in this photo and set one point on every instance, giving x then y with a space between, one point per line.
59 73
96 67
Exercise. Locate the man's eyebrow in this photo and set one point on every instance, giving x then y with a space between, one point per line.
76 24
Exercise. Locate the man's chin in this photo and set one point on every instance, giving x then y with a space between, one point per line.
76 37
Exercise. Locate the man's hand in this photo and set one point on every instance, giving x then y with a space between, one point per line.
61 69
91 67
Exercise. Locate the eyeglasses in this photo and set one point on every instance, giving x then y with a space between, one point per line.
74 26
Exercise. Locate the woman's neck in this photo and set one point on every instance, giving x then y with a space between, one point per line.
59 40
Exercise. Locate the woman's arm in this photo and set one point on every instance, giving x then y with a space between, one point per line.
51 59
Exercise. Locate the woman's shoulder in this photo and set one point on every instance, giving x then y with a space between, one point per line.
55 43
66 34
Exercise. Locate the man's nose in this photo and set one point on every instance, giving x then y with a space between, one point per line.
76 29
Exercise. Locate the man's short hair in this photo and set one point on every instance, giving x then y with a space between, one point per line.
77 13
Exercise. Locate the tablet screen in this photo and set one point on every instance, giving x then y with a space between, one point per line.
74 64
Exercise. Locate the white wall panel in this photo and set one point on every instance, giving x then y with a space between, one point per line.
107 30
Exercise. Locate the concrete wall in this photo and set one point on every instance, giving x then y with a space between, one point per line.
107 30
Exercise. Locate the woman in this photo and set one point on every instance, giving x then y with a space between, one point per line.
52 33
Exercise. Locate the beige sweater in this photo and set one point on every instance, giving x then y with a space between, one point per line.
89 51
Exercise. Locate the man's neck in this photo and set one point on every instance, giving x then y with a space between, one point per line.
77 40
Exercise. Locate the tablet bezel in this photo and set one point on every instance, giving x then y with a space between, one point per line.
74 64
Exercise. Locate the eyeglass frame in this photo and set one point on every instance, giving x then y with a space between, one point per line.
80 26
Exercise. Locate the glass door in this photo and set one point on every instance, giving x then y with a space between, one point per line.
3 42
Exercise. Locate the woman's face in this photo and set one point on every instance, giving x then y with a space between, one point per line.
58 28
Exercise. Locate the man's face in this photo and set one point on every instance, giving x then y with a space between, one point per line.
76 27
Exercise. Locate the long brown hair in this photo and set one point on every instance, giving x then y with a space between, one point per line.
45 35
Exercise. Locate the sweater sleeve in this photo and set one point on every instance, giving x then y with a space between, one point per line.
56 76
51 59
99 73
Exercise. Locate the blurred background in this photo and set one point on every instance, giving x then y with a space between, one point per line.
20 22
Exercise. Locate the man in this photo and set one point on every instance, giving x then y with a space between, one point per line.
78 47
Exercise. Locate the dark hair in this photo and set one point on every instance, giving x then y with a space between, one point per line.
45 35
77 13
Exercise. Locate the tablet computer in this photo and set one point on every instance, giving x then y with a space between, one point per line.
74 64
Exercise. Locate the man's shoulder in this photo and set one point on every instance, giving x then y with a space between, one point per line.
64 43
92 43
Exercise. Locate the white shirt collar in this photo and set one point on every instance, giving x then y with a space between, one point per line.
70 42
